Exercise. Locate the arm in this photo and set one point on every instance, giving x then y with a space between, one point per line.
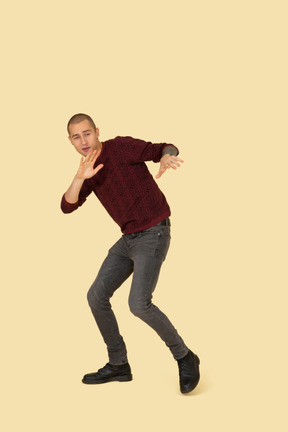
72 193
135 150
72 198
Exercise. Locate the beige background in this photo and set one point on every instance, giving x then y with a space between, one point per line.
210 77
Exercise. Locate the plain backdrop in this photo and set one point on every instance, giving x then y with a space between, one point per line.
211 78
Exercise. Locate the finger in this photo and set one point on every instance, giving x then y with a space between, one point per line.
87 159
95 155
92 158
178 159
158 175
161 171
174 164
98 168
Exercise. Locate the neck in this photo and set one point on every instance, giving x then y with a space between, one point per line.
99 145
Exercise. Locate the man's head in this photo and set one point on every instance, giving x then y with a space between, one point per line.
83 134
77 118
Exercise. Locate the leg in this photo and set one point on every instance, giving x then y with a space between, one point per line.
116 268
148 251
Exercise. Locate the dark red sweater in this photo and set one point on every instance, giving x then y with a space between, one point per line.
125 186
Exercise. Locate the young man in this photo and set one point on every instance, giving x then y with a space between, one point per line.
116 172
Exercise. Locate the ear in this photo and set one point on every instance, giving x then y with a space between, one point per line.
97 132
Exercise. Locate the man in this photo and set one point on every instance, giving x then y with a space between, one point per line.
116 172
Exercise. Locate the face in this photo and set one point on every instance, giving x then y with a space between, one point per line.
84 137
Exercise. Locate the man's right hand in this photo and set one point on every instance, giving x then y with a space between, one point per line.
84 172
86 169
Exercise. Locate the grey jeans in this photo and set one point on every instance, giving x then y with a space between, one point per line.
142 254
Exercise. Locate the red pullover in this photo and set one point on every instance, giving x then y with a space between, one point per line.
125 186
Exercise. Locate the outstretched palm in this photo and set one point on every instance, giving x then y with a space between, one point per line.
86 169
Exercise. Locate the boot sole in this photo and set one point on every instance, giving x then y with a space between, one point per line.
119 378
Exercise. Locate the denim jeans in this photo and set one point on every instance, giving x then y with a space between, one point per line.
142 254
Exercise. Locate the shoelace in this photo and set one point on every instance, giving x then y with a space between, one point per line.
186 368
103 369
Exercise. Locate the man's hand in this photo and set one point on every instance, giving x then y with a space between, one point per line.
86 169
84 172
167 161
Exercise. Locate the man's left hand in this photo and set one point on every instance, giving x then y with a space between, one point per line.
168 161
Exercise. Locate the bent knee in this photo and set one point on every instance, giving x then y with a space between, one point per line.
91 297
94 297
97 297
139 309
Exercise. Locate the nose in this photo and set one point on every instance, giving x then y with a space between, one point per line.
83 140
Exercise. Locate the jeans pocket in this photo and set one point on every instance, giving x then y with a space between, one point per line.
146 243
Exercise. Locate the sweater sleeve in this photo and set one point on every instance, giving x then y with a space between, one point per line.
67 207
136 150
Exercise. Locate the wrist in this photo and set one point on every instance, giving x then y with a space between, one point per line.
79 178
165 156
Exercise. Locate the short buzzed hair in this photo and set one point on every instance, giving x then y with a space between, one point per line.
77 118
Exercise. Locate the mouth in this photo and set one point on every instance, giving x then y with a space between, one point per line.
85 149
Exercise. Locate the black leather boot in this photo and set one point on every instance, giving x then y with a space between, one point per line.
189 374
109 373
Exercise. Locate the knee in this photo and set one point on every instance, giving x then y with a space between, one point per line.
138 309
92 298
97 296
